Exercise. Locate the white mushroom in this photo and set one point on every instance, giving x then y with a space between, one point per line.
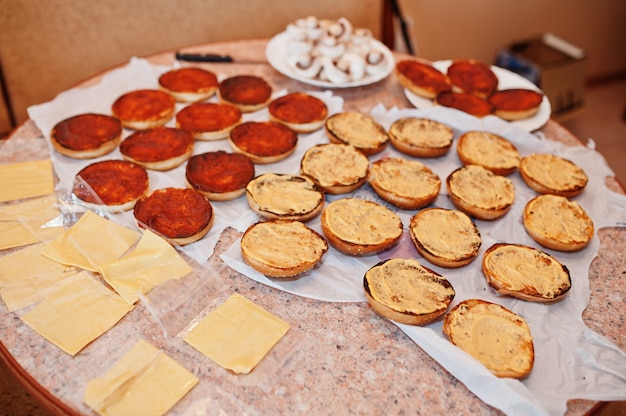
330 48
346 29
333 73
307 67
299 47
375 62
353 64
361 36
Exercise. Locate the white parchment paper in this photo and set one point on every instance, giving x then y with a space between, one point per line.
571 361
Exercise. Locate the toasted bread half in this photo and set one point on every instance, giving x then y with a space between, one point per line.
550 174
473 77
446 238
516 103
335 168
301 112
159 148
526 273
144 109
284 196
421 78
488 150
558 223
359 227
282 248
86 136
406 292
357 129
495 336
421 137
479 192
181 216
407 184
189 84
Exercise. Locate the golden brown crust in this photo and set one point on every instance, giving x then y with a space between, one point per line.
182 216
495 336
421 137
421 78
335 168
469 103
357 129
219 176
429 296
446 238
284 196
189 84
86 136
282 249
550 174
407 184
114 185
263 142
479 192
208 121
358 227
144 109
472 77
488 150
299 111
557 223
247 92
526 273
516 103
159 148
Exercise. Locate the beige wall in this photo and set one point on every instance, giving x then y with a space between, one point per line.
445 29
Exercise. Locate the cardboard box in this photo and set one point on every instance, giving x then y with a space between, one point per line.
554 65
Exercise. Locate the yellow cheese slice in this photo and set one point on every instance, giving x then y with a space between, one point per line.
91 242
25 222
152 262
237 334
76 312
145 382
25 274
26 180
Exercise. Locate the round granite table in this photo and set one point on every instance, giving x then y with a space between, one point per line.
340 358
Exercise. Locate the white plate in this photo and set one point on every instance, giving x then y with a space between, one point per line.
276 54
506 80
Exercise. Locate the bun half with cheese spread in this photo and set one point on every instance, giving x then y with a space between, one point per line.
359 227
421 137
526 273
479 192
550 174
488 150
357 129
335 168
282 248
407 184
557 223
446 238
406 292
285 196
495 336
